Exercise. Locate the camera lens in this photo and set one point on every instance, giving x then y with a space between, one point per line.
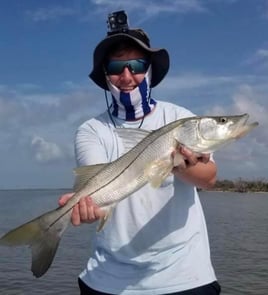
121 18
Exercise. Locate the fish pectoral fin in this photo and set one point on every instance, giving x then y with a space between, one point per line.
157 171
84 173
103 220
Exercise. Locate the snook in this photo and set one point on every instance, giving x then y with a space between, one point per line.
149 160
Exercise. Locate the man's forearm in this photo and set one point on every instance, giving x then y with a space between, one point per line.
201 175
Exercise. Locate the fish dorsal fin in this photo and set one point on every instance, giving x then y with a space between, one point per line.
84 173
131 136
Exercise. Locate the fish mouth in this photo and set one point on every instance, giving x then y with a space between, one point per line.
242 127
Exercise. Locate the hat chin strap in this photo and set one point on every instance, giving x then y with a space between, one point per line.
135 104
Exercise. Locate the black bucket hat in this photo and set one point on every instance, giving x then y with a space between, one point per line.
159 57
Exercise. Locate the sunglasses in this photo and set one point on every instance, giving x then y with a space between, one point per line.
135 66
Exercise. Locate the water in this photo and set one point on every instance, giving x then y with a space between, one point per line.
237 225
238 231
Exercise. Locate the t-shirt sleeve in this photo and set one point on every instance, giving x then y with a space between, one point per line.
89 147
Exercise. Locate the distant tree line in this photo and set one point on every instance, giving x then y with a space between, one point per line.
241 185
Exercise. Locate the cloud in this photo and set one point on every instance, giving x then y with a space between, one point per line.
41 126
144 10
193 80
246 155
246 100
45 151
193 89
23 108
263 7
259 59
45 123
50 13
232 95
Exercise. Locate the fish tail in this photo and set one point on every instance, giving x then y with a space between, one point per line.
43 235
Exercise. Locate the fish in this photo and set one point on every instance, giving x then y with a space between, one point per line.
149 158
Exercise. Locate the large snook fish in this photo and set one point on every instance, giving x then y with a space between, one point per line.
150 160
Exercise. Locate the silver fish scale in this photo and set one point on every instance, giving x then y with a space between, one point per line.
126 175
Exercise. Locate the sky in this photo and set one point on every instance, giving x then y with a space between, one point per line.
219 66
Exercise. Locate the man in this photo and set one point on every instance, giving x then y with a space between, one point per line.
156 240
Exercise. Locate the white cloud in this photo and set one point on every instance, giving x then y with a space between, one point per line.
259 59
147 9
45 151
264 9
195 81
21 108
246 100
192 80
85 10
262 53
142 9
54 117
50 13
233 95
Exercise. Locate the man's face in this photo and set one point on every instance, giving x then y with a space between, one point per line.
126 69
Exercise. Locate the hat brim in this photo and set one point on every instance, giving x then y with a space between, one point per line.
159 59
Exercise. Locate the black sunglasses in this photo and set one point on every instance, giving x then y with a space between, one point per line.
135 66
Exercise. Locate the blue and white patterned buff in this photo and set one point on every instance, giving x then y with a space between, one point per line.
135 104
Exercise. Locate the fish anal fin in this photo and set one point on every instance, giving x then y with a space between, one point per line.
103 220
157 171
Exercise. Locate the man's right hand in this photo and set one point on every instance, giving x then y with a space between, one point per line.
85 211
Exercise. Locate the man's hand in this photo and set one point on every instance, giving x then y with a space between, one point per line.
198 170
86 211
191 158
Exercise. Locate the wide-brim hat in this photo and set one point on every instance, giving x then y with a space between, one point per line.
159 57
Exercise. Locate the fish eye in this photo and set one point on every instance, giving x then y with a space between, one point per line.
223 120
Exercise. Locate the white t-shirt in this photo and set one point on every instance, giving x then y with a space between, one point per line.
156 240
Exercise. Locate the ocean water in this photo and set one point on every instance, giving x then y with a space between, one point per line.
237 226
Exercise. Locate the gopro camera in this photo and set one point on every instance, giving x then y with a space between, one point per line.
117 22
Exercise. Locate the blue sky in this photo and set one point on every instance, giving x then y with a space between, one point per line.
219 65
